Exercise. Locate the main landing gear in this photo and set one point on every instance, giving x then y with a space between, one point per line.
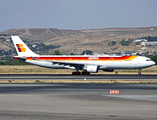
81 73
76 73
139 71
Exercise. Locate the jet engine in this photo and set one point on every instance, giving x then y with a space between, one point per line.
91 68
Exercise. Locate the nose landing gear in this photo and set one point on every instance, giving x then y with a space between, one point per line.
139 71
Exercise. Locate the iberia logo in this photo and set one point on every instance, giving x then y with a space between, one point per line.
20 48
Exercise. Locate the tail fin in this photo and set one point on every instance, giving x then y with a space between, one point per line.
21 48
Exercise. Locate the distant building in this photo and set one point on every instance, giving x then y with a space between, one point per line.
8 40
115 54
149 44
152 29
141 40
142 49
34 46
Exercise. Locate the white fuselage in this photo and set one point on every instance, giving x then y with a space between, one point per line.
136 63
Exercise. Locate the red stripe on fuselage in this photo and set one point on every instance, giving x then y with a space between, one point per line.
73 58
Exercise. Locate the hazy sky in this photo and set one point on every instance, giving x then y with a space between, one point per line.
77 14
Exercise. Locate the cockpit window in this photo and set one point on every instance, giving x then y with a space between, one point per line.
148 60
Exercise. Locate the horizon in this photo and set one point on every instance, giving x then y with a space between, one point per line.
84 29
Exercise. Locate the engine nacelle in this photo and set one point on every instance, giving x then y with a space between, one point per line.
92 68
108 70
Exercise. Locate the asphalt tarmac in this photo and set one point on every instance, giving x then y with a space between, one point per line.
77 77
78 101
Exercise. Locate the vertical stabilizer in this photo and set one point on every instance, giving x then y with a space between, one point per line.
21 48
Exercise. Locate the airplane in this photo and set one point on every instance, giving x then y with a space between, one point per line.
87 63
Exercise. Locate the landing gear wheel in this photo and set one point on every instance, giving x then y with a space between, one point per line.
85 73
139 72
88 73
76 73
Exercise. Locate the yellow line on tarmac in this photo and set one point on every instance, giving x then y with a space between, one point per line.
79 81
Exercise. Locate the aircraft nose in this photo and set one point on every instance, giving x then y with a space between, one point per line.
153 63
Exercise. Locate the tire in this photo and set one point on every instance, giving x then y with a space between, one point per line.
83 73
88 73
76 73
139 73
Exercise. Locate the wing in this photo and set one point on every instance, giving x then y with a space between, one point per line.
70 64
75 64
67 63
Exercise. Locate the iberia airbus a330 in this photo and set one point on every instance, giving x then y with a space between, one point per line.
87 63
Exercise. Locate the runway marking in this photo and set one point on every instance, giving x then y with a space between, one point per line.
78 81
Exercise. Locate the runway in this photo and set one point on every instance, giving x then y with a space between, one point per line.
77 77
74 88
80 101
